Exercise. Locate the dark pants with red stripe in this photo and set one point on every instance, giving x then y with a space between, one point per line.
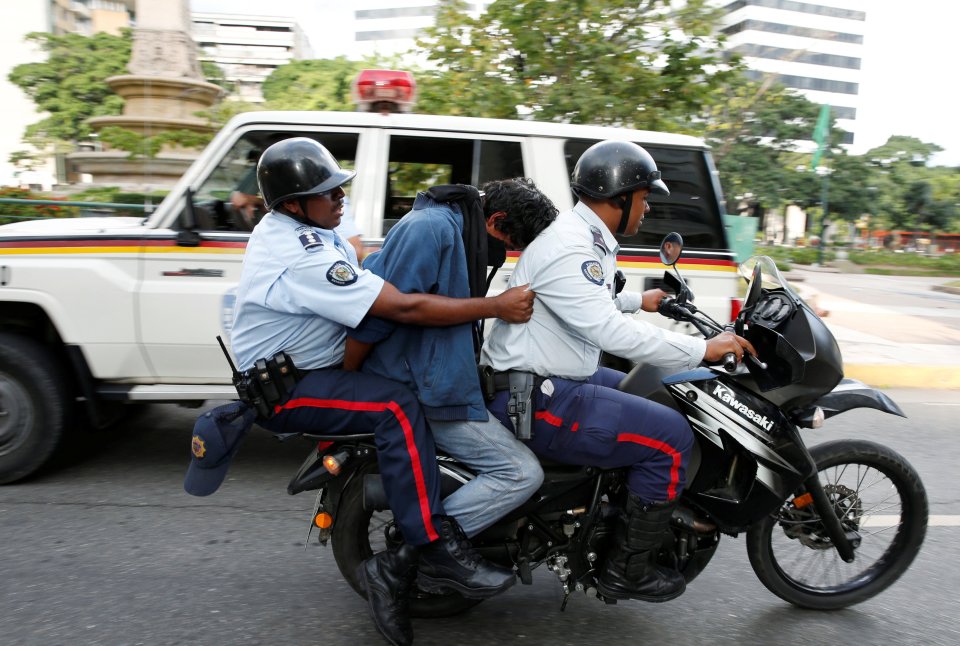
334 401
592 423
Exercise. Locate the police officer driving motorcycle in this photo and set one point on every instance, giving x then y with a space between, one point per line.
575 412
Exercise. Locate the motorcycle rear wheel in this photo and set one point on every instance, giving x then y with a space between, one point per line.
358 534
878 497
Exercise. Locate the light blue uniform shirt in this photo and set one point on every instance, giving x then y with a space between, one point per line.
300 288
571 266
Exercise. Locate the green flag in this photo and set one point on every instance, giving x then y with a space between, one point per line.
820 134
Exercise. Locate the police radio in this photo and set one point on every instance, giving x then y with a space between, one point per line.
248 392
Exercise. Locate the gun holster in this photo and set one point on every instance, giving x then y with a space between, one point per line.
487 383
520 405
268 383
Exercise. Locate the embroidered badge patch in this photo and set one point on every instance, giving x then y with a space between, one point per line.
198 448
310 240
593 271
341 273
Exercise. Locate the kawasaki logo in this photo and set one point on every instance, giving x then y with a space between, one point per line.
725 395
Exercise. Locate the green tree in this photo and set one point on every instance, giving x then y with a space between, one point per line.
643 65
906 195
321 84
70 85
754 134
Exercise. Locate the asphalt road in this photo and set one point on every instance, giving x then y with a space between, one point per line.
108 549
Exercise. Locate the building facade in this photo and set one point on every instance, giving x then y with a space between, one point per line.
248 48
390 26
813 47
89 17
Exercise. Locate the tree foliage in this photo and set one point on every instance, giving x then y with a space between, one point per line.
910 194
70 85
754 134
322 84
636 64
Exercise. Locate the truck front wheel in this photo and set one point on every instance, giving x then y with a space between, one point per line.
32 404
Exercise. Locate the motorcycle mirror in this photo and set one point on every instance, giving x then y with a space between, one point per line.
670 248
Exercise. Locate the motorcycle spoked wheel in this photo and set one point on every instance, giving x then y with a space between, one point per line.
358 534
878 496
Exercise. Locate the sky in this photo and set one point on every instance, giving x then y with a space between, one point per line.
910 85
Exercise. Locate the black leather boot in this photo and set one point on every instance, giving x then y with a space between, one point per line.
451 564
387 579
631 571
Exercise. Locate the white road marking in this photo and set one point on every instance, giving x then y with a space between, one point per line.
937 520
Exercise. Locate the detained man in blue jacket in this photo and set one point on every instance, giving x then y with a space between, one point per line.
427 252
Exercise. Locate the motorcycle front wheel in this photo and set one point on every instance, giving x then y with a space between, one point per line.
882 505
358 534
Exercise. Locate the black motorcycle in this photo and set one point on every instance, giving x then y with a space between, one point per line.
826 527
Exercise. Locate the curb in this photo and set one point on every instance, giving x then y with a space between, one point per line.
904 376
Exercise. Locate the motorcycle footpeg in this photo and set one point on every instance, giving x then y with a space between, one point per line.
610 601
524 572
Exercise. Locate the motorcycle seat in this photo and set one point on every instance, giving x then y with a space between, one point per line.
339 437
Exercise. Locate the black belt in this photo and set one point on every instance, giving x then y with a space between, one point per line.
501 380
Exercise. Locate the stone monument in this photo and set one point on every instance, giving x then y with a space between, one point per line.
162 92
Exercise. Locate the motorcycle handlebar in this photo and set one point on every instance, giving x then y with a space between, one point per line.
729 362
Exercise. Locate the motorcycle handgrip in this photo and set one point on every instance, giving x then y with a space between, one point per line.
729 362
667 307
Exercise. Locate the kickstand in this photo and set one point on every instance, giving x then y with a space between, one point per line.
563 604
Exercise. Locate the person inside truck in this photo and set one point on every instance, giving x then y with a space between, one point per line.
248 204
300 289
580 416
427 252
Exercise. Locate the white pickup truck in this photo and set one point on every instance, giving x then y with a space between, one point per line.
98 312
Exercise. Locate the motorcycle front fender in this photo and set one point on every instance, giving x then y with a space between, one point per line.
850 394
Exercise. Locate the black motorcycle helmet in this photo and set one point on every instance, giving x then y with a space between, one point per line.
616 168
297 168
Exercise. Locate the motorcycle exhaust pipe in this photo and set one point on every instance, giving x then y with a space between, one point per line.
374 496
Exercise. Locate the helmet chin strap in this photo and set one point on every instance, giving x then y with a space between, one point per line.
302 201
626 204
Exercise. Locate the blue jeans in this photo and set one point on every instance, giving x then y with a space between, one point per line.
508 473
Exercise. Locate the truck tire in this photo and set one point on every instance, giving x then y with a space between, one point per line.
32 405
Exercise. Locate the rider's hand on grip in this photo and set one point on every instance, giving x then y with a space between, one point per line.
727 343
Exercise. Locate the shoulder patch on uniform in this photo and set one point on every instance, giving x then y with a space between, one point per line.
341 273
309 239
598 240
593 271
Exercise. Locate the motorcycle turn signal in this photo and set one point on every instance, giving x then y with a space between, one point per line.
335 461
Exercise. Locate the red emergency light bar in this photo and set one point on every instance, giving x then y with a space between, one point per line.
384 91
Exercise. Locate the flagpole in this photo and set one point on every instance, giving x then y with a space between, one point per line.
821 136
824 192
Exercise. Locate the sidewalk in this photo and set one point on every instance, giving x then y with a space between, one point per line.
863 333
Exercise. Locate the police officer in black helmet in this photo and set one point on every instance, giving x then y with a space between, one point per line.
300 288
581 418
621 172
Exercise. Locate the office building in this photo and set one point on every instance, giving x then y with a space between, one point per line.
248 48
814 47
389 26
89 17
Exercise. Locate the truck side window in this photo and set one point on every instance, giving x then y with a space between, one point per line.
416 163
229 199
692 209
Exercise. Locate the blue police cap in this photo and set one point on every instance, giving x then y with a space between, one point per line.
216 439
